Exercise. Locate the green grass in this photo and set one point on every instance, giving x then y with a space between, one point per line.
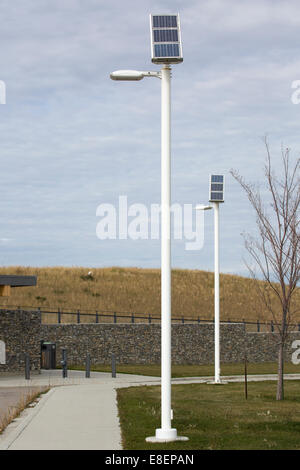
186 370
214 417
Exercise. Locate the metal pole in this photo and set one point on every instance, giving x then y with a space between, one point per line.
246 384
64 364
166 432
113 366
217 294
27 367
88 366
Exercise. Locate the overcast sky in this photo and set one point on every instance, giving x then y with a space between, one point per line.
72 139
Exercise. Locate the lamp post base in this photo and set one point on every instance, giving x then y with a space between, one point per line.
217 382
166 435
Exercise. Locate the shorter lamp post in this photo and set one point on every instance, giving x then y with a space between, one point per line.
216 195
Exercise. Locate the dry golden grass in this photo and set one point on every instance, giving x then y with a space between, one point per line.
28 398
137 290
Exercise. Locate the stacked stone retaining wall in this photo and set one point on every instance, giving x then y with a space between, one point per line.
140 343
22 333
19 335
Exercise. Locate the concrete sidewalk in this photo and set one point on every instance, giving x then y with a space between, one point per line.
80 413
77 413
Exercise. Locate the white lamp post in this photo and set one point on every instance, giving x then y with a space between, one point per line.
216 195
217 294
166 49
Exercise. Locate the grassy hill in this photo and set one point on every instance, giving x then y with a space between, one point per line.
137 290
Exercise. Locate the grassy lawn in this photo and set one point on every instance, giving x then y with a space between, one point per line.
187 370
214 417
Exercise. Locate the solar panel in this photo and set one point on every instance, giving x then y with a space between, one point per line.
164 21
166 50
216 196
216 188
165 39
165 35
217 178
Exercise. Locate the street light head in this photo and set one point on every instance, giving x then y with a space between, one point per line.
127 75
202 207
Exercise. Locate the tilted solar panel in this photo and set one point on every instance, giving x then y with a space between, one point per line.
216 196
164 21
166 44
166 50
217 178
216 188
165 35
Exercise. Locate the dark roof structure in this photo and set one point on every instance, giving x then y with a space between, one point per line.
17 281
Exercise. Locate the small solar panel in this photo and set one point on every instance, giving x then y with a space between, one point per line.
216 196
216 188
165 39
164 21
165 35
166 50
217 178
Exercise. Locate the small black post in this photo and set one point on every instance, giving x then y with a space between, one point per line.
149 318
182 320
97 318
258 326
64 363
272 326
58 316
78 316
198 319
132 318
113 366
88 366
27 367
115 317
246 383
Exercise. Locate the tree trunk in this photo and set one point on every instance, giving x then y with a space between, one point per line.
280 388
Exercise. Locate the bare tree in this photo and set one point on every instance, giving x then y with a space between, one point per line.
276 249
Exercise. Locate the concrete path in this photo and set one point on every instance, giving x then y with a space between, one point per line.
78 417
79 413
11 398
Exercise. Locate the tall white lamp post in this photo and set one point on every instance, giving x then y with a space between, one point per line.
166 49
216 196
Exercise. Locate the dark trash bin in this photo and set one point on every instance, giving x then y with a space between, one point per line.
48 355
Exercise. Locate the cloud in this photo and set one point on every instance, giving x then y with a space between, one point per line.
71 138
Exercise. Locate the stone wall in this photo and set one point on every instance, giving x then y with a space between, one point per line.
22 332
140 343
263 347
19 335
